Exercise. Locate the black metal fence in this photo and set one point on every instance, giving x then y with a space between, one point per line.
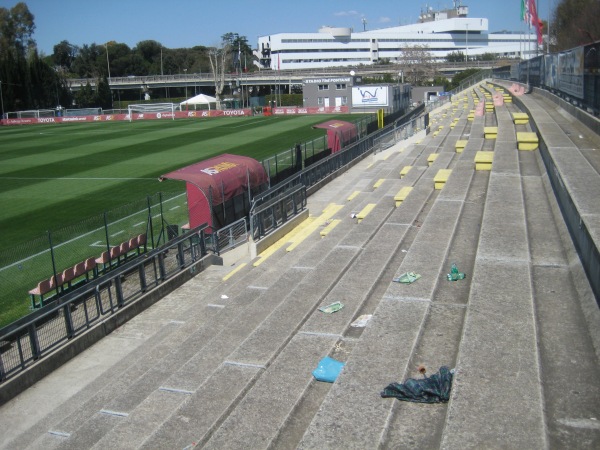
27 340
573 74
23 266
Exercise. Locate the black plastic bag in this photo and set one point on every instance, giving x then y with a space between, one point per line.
433 389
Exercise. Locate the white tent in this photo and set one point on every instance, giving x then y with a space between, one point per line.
200 99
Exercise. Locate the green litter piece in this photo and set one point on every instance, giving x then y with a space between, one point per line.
335 306
407 278
454 274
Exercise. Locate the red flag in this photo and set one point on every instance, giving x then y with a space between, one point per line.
535 20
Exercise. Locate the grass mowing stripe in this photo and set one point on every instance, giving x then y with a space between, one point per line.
34 206
75 239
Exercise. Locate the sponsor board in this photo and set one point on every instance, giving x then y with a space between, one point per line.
170 115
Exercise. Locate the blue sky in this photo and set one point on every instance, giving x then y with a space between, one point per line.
186 23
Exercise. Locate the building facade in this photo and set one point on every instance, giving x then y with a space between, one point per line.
325 92
442 32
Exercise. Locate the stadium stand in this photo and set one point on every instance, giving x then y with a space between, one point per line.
227 364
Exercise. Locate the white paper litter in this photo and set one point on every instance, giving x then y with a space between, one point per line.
362 321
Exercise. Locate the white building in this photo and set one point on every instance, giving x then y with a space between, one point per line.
443 32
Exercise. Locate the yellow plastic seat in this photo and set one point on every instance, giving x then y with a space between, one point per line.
527 140
404 171
402 194
439 181
483 160
490 132
460 145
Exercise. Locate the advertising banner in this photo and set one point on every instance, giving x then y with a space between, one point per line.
570 72
368 96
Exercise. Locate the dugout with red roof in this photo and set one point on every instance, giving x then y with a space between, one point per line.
222 180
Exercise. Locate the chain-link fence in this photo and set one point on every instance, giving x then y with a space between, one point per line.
35 336
24 266
304 154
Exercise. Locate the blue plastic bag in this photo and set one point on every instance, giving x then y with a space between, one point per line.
328 370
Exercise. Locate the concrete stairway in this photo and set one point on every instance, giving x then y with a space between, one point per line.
201 370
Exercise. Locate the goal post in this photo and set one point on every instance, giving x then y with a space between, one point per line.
154 108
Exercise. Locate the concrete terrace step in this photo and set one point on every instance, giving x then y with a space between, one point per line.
498 357
236 372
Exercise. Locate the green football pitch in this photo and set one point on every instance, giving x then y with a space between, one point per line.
53 176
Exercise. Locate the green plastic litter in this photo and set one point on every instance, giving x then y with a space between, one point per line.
454 274
335 306
407 278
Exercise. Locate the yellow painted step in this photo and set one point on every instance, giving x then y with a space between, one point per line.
460 145
325 231
527 140
402 194
404 171
439 181
378 183
431 158
490 132
483 160
365 211
353 195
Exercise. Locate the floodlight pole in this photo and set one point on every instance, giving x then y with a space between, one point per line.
1 99
185 74
107 63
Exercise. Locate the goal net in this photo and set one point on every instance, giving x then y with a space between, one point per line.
148 108
83 112
31 113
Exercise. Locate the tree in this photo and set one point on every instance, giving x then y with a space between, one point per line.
417 64
64 53
85 64
16 30
238 50
85 96
217 58
459 77
575 23
455 57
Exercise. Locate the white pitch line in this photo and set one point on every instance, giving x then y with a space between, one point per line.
174 207
75 238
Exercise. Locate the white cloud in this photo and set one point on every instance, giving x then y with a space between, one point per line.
384 20
346 13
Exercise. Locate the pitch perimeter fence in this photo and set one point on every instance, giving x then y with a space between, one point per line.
31 338
274 207
23 266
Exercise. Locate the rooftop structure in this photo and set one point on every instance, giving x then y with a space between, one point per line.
442 32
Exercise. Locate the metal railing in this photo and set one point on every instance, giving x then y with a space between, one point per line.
275 210
27 340
230 236
397 133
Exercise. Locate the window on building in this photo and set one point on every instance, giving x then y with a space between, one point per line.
320 101
323 87
340 86
344 101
